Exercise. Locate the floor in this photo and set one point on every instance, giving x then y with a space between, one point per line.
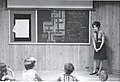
82 76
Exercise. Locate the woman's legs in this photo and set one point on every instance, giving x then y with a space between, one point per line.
94 66
100 65
97 64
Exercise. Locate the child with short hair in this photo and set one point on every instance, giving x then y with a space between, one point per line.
68 69
29 74
4 69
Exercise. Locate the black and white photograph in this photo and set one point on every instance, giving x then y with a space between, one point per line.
60 40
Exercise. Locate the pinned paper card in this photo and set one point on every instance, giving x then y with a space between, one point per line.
21 28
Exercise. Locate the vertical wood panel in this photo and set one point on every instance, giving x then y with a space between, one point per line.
11 51
41 49
6 36
47 57
115 45
1 38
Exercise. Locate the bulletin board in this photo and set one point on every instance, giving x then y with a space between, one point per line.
22 29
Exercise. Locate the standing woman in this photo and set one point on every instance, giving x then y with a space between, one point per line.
99 48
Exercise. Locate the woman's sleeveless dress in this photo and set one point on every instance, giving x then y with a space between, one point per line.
101 54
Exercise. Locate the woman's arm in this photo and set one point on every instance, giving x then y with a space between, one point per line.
103 40
94 45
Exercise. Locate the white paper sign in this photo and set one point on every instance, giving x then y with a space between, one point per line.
21 28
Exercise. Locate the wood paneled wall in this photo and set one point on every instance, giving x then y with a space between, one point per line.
53 57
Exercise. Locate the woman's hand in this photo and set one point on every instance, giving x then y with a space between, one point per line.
97 49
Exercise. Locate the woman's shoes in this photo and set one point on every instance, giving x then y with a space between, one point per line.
93 73
97 74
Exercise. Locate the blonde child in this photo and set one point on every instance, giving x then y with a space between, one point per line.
29 74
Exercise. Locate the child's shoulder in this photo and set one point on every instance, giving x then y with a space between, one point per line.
71 77
30 70
33 70
74 78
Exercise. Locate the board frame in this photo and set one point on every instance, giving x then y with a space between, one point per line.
36 25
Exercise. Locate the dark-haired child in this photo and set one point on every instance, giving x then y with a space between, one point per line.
4 69
68 69
29 74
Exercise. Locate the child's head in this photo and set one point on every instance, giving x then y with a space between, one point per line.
29 63
3 68
68 68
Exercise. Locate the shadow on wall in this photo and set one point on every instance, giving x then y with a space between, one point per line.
108 63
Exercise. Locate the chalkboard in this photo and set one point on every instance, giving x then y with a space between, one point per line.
63 26
77 26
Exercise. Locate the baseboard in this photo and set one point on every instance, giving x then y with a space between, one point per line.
113 71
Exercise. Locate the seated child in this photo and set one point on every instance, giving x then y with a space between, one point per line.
68 69
29 74
4 69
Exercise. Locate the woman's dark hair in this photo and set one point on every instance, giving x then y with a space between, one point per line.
30 65
97 23
68 68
